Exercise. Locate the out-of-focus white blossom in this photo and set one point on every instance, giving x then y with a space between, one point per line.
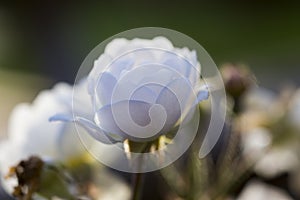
31 133
260 99
256 190
111 187
256 142
277 161
259 109
294 110
265 124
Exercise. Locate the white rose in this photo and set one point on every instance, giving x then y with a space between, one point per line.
141 89
31 133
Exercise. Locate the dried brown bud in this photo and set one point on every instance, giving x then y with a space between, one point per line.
28 173
237 79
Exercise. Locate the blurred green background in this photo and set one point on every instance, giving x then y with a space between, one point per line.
53 37
42 42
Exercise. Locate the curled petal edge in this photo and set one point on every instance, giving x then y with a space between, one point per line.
93 130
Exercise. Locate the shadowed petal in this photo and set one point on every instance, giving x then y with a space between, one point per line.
89 126
105 86
136 120
173 98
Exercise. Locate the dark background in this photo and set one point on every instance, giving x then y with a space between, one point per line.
52 38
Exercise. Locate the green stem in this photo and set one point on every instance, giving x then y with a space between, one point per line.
138 177
137 186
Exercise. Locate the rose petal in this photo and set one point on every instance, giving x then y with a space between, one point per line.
121 45
179 64
118 66
174 98
144 94
89 126
105 86
96 132
114 47
194 70
99 66
202 95
160 78
156 78
135 119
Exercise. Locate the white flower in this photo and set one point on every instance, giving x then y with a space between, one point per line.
294 110
260 99
141 89
30 132
255 142
285 158
260 191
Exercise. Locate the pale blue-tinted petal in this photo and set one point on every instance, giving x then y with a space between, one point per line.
191 56
193 72
136 120
99 66
82 101
62 117
138 74
179 64
159 78
122 91
171 98
104 87
144 94
138 110
157 42
179 88
96 132
162 75
142 56
88 125
151 76
202 95
104 119
119 65
114 47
